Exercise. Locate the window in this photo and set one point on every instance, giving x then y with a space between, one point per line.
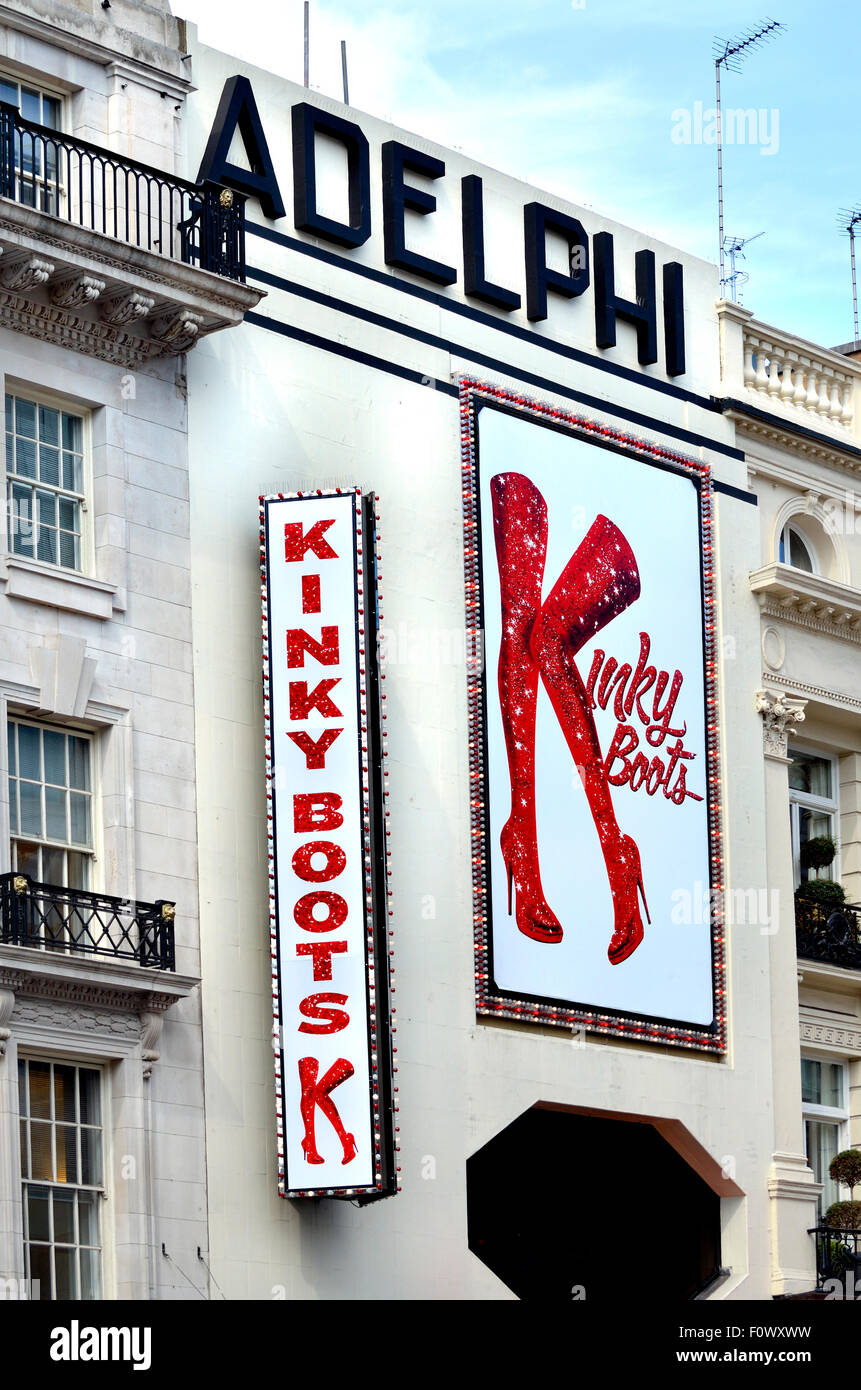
45 479
50 804
796 550
62 1166
823 1097
36 182
813 809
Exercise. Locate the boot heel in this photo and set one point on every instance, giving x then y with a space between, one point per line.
643 896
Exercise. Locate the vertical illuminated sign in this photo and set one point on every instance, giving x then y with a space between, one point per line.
327 846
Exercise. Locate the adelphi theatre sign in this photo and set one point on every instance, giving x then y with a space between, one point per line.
660 331
593 728
327 855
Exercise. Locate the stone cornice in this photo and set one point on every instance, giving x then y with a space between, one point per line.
99 981
147 59
810 599
79 246
98 296
759 466
728 309
816 692
833 978
772 609
171 86
795 440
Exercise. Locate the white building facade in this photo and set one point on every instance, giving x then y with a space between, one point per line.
101 1100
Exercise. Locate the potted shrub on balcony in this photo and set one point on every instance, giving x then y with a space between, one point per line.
818 852
845 1168
822 891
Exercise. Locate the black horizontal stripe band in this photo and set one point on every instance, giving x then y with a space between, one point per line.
541 383
467 311
736 492
367 359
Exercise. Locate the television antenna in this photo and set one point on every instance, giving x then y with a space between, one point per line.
730 54
848 220
737 278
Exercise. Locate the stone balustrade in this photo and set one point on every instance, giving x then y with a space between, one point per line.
779 368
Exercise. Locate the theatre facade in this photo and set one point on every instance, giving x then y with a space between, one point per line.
438 689
597 637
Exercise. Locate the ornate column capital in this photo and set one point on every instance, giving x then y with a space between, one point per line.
779 713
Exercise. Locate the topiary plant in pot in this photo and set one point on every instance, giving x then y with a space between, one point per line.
818 852
821 890
844 1216
845 1168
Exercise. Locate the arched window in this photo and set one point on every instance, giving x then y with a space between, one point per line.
796 550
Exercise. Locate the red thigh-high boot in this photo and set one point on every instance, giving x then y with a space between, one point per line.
599 582
316 1093
520 531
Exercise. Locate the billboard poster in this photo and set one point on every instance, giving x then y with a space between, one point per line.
593 726
327 847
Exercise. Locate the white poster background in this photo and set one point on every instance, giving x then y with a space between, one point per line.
342 774
669 975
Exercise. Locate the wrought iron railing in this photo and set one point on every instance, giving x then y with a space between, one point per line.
200 224
837 1253
74 922
829 934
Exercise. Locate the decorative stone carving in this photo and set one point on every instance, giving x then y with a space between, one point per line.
87 992
52 1013
779 713
129 307
773 647
178 330
848 1039
7 1004
50 323
24 274
63 674
76 291
836 623
151 1024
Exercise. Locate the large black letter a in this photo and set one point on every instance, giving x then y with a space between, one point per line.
238 108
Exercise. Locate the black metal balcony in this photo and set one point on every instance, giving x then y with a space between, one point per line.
831 935
83 184
837 1253
76 923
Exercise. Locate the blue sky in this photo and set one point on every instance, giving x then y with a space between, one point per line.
583 99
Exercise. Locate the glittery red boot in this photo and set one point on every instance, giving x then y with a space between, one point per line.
316 1093
599 582
520 532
